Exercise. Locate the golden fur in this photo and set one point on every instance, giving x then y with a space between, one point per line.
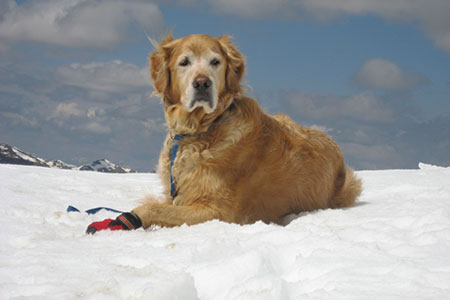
236 163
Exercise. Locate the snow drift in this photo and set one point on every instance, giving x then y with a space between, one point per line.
395 243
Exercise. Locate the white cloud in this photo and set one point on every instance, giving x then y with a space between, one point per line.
76 23
97 128
432 16
19 120
363 107
94 112
113 76
154 124
67 110
383 74
322 128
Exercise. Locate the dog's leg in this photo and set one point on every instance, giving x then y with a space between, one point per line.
169 215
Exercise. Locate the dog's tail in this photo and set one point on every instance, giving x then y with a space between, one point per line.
348 192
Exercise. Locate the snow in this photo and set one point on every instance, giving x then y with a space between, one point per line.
395 243
61 165
103 163
25 156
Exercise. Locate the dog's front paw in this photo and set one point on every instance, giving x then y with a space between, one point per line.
126 221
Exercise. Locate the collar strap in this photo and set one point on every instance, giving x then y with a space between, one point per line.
173 155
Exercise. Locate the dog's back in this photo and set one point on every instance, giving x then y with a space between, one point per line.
280 167
316 145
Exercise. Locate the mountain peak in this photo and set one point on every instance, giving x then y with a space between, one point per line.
13 155
105 166
59 164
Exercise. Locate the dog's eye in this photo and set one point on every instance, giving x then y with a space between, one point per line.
184 62
215 62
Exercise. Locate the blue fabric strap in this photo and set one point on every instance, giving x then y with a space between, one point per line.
92 211
173 155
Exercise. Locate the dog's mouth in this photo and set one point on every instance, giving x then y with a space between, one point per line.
203 99
205 103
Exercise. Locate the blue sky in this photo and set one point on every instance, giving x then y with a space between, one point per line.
74 81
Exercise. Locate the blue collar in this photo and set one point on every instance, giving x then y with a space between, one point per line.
173 155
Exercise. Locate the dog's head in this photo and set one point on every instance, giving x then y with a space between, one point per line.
197 75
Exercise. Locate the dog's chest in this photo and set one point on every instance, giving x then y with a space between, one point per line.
187 163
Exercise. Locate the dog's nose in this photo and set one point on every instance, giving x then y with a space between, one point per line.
201 83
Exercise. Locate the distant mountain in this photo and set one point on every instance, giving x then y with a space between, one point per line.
13 155
59 164
105 166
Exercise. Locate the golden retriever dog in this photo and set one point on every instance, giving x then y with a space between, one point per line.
225 158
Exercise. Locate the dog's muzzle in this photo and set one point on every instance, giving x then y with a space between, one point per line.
202 92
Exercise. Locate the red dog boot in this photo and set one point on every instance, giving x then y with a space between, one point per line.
126 221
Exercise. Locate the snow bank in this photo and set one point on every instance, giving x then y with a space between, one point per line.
395 243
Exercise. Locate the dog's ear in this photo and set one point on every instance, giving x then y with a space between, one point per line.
159 64
235 64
